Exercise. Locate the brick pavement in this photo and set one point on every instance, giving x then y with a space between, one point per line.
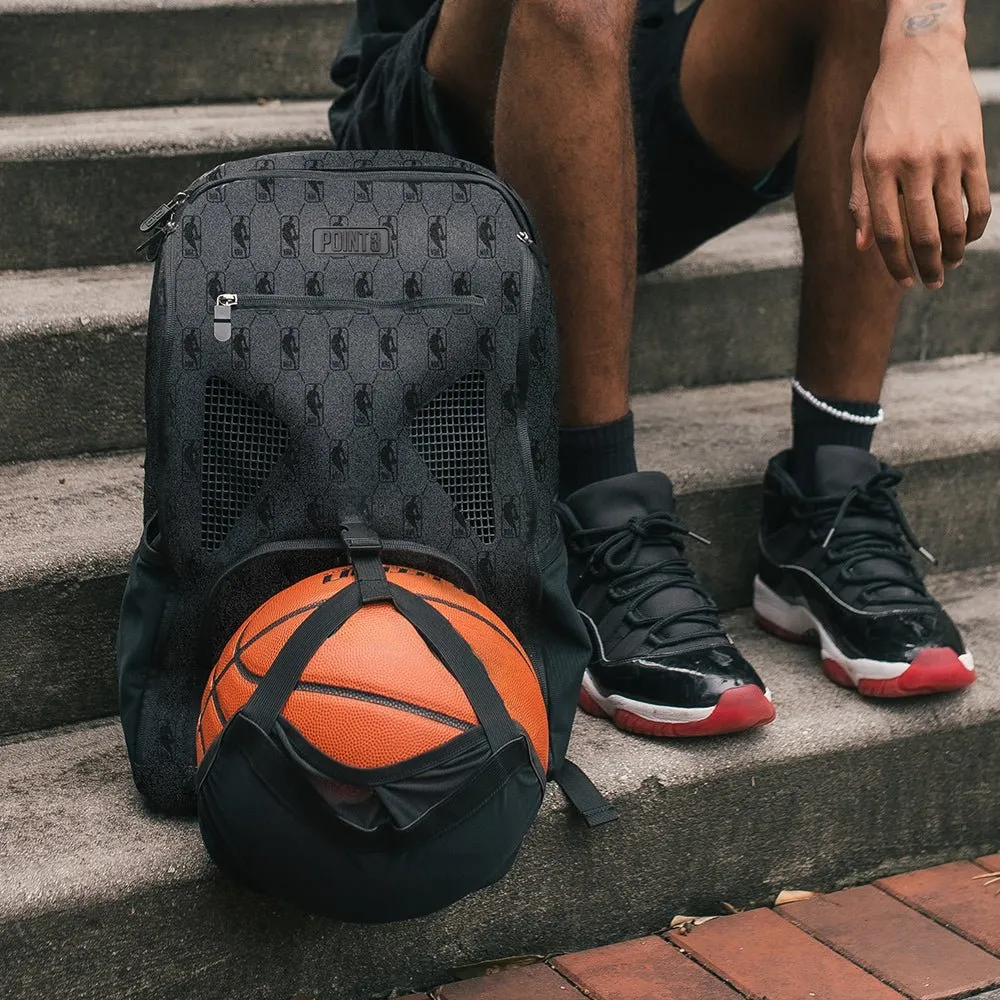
925 935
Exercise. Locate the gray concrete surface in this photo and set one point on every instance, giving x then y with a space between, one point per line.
268 48
99 901
71 341
67 543
81 182
165 53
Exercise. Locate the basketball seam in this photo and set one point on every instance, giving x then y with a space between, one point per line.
458 607
358 695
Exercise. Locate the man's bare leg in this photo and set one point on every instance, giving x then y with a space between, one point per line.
809 82
549 79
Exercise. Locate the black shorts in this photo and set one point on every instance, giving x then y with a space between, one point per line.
687 195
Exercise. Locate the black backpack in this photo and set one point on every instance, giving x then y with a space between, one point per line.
350 359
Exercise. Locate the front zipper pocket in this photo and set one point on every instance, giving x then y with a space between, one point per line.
228 301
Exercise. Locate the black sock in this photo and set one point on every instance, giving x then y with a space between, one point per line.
812 428
589 454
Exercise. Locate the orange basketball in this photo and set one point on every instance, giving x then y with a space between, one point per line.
374 694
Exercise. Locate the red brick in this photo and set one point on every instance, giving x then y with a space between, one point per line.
768 958
647 969
897 944
952 895
537 982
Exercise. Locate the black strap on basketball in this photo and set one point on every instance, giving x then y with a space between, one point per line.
584 796
267 701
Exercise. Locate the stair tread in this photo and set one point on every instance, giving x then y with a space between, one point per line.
69 517
116 296
72 828
146 132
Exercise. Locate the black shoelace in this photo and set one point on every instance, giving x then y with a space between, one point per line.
612 553
867 524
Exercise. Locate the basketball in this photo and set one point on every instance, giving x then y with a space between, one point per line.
374 694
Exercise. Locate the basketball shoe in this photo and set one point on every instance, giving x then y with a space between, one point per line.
662 664
837 568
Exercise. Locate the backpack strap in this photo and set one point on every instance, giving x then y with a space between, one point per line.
372 586
583 795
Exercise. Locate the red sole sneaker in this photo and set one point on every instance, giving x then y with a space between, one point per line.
934 671
739 709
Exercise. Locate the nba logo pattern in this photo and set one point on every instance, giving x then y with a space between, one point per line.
340 356
510 292
191 235
191 349
289 236
265 184
364 405
413 517
289 349
437 237
340 467
388 348
388 463
314 283
241 236
413 285
241 349
215 285
486 237
314 405
437 349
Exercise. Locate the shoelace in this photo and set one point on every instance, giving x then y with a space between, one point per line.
849 544
613 552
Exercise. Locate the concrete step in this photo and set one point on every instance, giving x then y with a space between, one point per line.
70 525
54 53
726 314
81 182
99 901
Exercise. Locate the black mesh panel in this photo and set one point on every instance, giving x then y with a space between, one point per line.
449 434
240 445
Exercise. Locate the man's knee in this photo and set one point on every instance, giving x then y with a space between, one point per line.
602 27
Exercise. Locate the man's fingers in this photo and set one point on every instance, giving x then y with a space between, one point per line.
922 220
950 218
887 221
864 235
977 193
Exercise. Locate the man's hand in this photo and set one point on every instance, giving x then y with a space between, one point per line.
920 146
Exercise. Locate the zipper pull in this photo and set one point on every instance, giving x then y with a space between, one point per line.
224 316
525 239
163 211
154 241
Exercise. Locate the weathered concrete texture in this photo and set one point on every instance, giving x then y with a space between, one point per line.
53 52
729 311
75 537
725 314
54 57
80 184
82 181
98 900
72 350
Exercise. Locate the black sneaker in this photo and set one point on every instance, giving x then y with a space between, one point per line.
837 568
662 664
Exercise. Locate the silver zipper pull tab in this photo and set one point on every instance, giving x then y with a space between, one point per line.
163 211
525 238
224 316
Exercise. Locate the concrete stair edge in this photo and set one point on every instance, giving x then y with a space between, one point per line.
82 864
61 572
727 313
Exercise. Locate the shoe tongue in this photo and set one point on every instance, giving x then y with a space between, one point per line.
839 467
611 502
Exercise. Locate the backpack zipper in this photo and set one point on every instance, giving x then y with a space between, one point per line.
161 220
228 301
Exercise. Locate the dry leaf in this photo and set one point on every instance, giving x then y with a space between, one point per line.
488 968
792 896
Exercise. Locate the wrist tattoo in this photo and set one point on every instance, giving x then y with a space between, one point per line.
928 20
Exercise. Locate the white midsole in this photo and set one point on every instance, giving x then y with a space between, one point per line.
611 703
799 621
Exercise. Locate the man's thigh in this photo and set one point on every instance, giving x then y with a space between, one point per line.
718 99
